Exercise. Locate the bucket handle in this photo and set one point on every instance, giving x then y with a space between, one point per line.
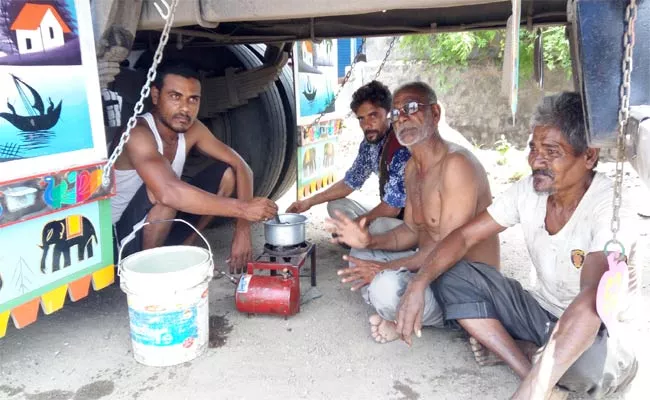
139 226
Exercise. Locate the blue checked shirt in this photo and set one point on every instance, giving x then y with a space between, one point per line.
367 162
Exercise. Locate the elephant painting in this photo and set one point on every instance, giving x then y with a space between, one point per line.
63 234
309 162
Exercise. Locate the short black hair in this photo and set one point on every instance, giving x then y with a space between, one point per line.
177 68
375 92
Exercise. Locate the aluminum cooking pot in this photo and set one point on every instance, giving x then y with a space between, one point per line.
289 232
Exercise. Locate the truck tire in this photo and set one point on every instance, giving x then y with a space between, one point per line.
260 135
285 86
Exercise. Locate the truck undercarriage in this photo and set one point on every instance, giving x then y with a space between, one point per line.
248 87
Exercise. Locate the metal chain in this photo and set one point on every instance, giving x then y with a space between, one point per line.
144 92
349 74
390 49
623 115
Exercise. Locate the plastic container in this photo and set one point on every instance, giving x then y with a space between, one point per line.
167 295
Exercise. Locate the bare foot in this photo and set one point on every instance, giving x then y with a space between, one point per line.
381 330
485 357
482 355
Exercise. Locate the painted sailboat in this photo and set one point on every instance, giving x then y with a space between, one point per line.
38 119
310 91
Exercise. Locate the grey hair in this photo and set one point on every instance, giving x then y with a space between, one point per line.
564 112
420 87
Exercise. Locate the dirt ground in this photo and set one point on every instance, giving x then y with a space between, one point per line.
83 351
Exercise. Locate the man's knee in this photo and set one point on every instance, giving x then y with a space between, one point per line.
608 366
340 205
160 211
457 276
228 183
383 225
361 254
386 289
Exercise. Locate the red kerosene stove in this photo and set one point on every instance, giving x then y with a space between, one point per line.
279 291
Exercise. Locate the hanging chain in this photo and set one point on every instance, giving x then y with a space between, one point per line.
144 92
349 74
623 115
390 49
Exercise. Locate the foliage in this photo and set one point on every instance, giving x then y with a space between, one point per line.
448 48
502 146
516 176
461 48
556 49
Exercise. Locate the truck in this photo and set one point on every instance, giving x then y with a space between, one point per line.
106 50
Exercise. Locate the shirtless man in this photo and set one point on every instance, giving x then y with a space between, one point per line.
446 186
148 174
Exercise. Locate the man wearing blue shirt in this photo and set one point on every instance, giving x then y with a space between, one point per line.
379 153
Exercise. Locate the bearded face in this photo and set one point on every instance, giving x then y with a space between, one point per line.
554 164
373 121
177 102
414 117
411 132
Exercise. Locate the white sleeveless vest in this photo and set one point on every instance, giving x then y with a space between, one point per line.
128 182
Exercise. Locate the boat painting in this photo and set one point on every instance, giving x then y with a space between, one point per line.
40 116
38 119
317 76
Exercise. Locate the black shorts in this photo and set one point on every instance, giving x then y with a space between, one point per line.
209 179
478 291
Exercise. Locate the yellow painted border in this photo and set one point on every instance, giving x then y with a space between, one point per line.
4 321
103 277
54 300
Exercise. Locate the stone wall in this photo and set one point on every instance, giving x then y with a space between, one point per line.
471 96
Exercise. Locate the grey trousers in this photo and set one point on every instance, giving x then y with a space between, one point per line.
385 291
479 291
353 209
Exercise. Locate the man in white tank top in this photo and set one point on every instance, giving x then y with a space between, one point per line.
148 174
564 209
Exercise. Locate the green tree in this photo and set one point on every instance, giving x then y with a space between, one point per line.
463 48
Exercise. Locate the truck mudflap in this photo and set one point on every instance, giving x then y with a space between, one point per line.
55 215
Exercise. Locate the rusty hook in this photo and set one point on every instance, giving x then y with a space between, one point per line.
164 14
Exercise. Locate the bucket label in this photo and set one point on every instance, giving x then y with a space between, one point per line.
242 287
163 328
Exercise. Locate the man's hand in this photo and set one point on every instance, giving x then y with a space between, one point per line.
363 272
260 209
241 251
299 206
347 231
410 311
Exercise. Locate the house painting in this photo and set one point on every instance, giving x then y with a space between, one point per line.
39 27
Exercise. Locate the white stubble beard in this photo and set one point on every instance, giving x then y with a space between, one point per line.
425 131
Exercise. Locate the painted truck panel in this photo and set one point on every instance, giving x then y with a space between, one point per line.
55 214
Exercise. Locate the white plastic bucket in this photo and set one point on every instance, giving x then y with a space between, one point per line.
167 295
